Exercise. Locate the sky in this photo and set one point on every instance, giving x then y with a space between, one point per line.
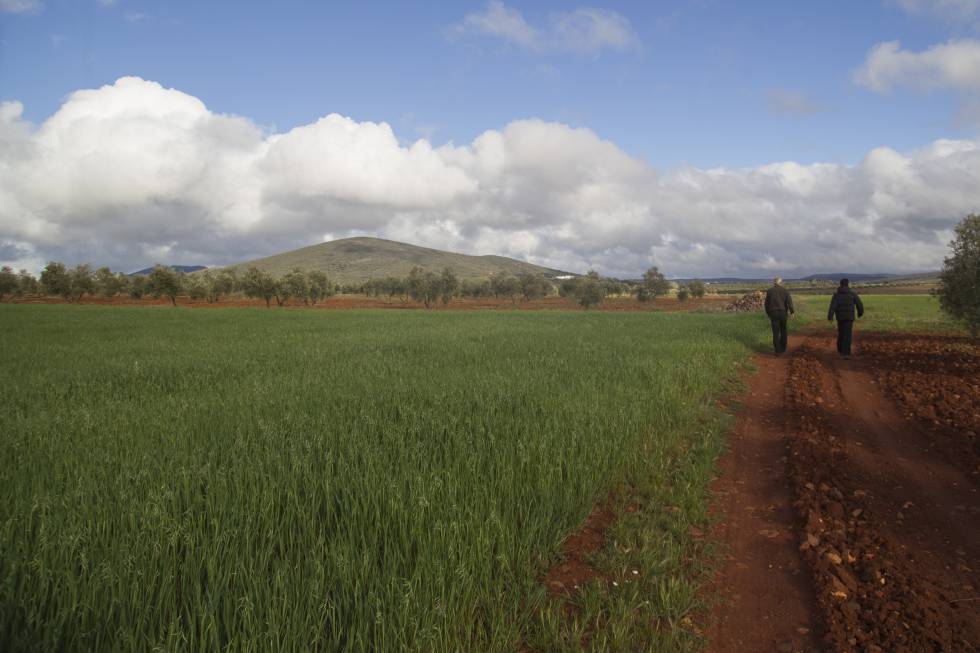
709 138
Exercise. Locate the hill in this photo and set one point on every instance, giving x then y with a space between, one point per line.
354 260
186 269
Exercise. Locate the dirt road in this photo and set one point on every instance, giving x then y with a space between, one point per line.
847 528
768 602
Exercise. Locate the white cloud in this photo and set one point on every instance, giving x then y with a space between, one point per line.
955 64
133 173
791 102
593 30
21 6
502 22
584 30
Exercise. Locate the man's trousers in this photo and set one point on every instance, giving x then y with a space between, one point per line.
845 328
778 321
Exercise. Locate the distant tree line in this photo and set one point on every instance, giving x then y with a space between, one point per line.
310 287
210 285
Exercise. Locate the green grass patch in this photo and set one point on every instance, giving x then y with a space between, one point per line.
348 481
907 313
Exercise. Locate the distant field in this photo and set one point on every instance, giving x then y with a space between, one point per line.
910 313
346 480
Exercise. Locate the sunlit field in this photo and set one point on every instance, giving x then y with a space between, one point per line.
343 481
909 313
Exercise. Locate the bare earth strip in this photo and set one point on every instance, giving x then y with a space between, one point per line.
845 526
767 599
917 528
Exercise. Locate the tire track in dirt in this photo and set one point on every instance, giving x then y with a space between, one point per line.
886 532
826 469
767 601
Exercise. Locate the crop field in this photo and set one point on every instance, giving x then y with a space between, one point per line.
886 313
359 480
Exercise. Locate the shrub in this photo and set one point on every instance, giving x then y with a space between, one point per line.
959 281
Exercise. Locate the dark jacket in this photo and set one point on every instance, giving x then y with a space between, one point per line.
843 303
778 301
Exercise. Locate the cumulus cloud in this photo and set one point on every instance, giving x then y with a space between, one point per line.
21 6
584 30
134 173
955 64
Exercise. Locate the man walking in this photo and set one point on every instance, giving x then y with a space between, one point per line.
842 306
779 305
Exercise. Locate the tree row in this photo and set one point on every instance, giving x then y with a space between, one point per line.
311 286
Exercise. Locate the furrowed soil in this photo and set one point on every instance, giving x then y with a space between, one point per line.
848 502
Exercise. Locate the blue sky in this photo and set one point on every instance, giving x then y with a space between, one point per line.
689 84
698 89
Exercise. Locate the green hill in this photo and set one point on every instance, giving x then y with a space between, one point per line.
354 260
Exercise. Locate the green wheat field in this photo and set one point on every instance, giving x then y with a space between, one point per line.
251 479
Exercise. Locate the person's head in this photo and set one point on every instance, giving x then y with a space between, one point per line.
778 281
844 283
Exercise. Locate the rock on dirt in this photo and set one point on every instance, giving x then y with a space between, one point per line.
873 586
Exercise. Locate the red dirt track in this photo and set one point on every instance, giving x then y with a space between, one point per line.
849 501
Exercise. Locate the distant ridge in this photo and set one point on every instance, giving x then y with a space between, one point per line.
825 276
355 260
186 269
853 276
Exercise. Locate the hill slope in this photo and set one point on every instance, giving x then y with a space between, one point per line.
186 269
353 260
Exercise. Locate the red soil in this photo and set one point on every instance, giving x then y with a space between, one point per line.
575 570
880 453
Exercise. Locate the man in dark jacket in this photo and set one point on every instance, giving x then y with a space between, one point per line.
842 306
779 305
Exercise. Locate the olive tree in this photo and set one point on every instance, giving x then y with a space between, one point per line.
534 285
55 280
697 288
423 286
218 283
82 281
393 286
654 285
320 286
27 284
615 288
137 286
569 287
476 288
683 293
71 284
8 282
164 281
959 281
259 284
196 286
296 284
590 291
109 284
505 284
448 285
